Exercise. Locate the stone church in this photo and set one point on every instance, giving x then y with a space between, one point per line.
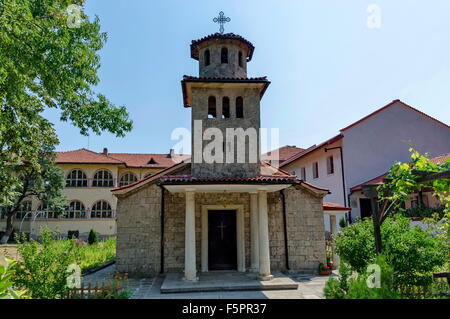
232 212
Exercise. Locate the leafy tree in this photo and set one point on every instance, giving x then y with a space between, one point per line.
43 182
49 60
404 179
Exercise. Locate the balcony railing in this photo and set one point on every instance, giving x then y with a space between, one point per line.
68 216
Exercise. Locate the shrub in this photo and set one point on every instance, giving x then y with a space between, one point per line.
6 284
356 287
42 269
421 211
93 237
412 252
342 222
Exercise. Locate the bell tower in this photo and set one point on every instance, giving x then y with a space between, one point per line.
225 106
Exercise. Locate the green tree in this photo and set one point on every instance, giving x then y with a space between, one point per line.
48 60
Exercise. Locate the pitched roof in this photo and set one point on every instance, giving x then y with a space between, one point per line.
438 160
327 206
221 36
441 159
277 176
374 181
394 102
311 149
147 160
284 152
85 156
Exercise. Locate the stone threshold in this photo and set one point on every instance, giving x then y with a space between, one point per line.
225 281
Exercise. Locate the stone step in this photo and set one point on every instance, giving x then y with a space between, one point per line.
225 281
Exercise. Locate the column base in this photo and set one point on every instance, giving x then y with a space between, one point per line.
190 280
265 278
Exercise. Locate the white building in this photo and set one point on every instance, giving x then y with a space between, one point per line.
367 149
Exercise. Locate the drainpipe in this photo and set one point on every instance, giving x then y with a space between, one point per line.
162 229
342 173
286 252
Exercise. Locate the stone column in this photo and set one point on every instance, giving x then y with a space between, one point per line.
264 251
190 270
254 232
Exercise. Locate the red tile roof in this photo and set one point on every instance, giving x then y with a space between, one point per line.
333 206
284 153
221 36
389 105
85 156
262 179
142 160
374 181
312 149
441 159
438 160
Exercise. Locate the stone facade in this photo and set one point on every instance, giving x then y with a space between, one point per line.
250 123
138 222
232 69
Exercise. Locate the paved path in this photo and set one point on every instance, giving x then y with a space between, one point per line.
310 287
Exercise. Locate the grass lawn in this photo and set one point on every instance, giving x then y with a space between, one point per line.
91 256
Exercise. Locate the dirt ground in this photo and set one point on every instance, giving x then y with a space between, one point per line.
9 251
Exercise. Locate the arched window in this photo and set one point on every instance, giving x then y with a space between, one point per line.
44 211
24 208
207 56
101 209
225 107
76 178
76 210
240 59
103 178
127 179
212 107
224 55
239 107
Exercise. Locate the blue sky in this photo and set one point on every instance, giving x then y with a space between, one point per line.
327 68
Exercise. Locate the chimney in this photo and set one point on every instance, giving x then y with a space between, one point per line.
172 153
105 151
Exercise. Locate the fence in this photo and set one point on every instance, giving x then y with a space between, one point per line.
96 291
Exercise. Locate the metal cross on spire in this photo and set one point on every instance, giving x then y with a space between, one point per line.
221 19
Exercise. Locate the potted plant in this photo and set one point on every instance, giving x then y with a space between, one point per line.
324 270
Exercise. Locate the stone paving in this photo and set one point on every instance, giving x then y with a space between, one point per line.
310 287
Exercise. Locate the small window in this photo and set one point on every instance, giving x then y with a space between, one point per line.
212 107
76 178
315 170
303 174
226 107
240 107
224 55
103 179
127 179
207 58
75 210
330 165
24 210
101 209
240 59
